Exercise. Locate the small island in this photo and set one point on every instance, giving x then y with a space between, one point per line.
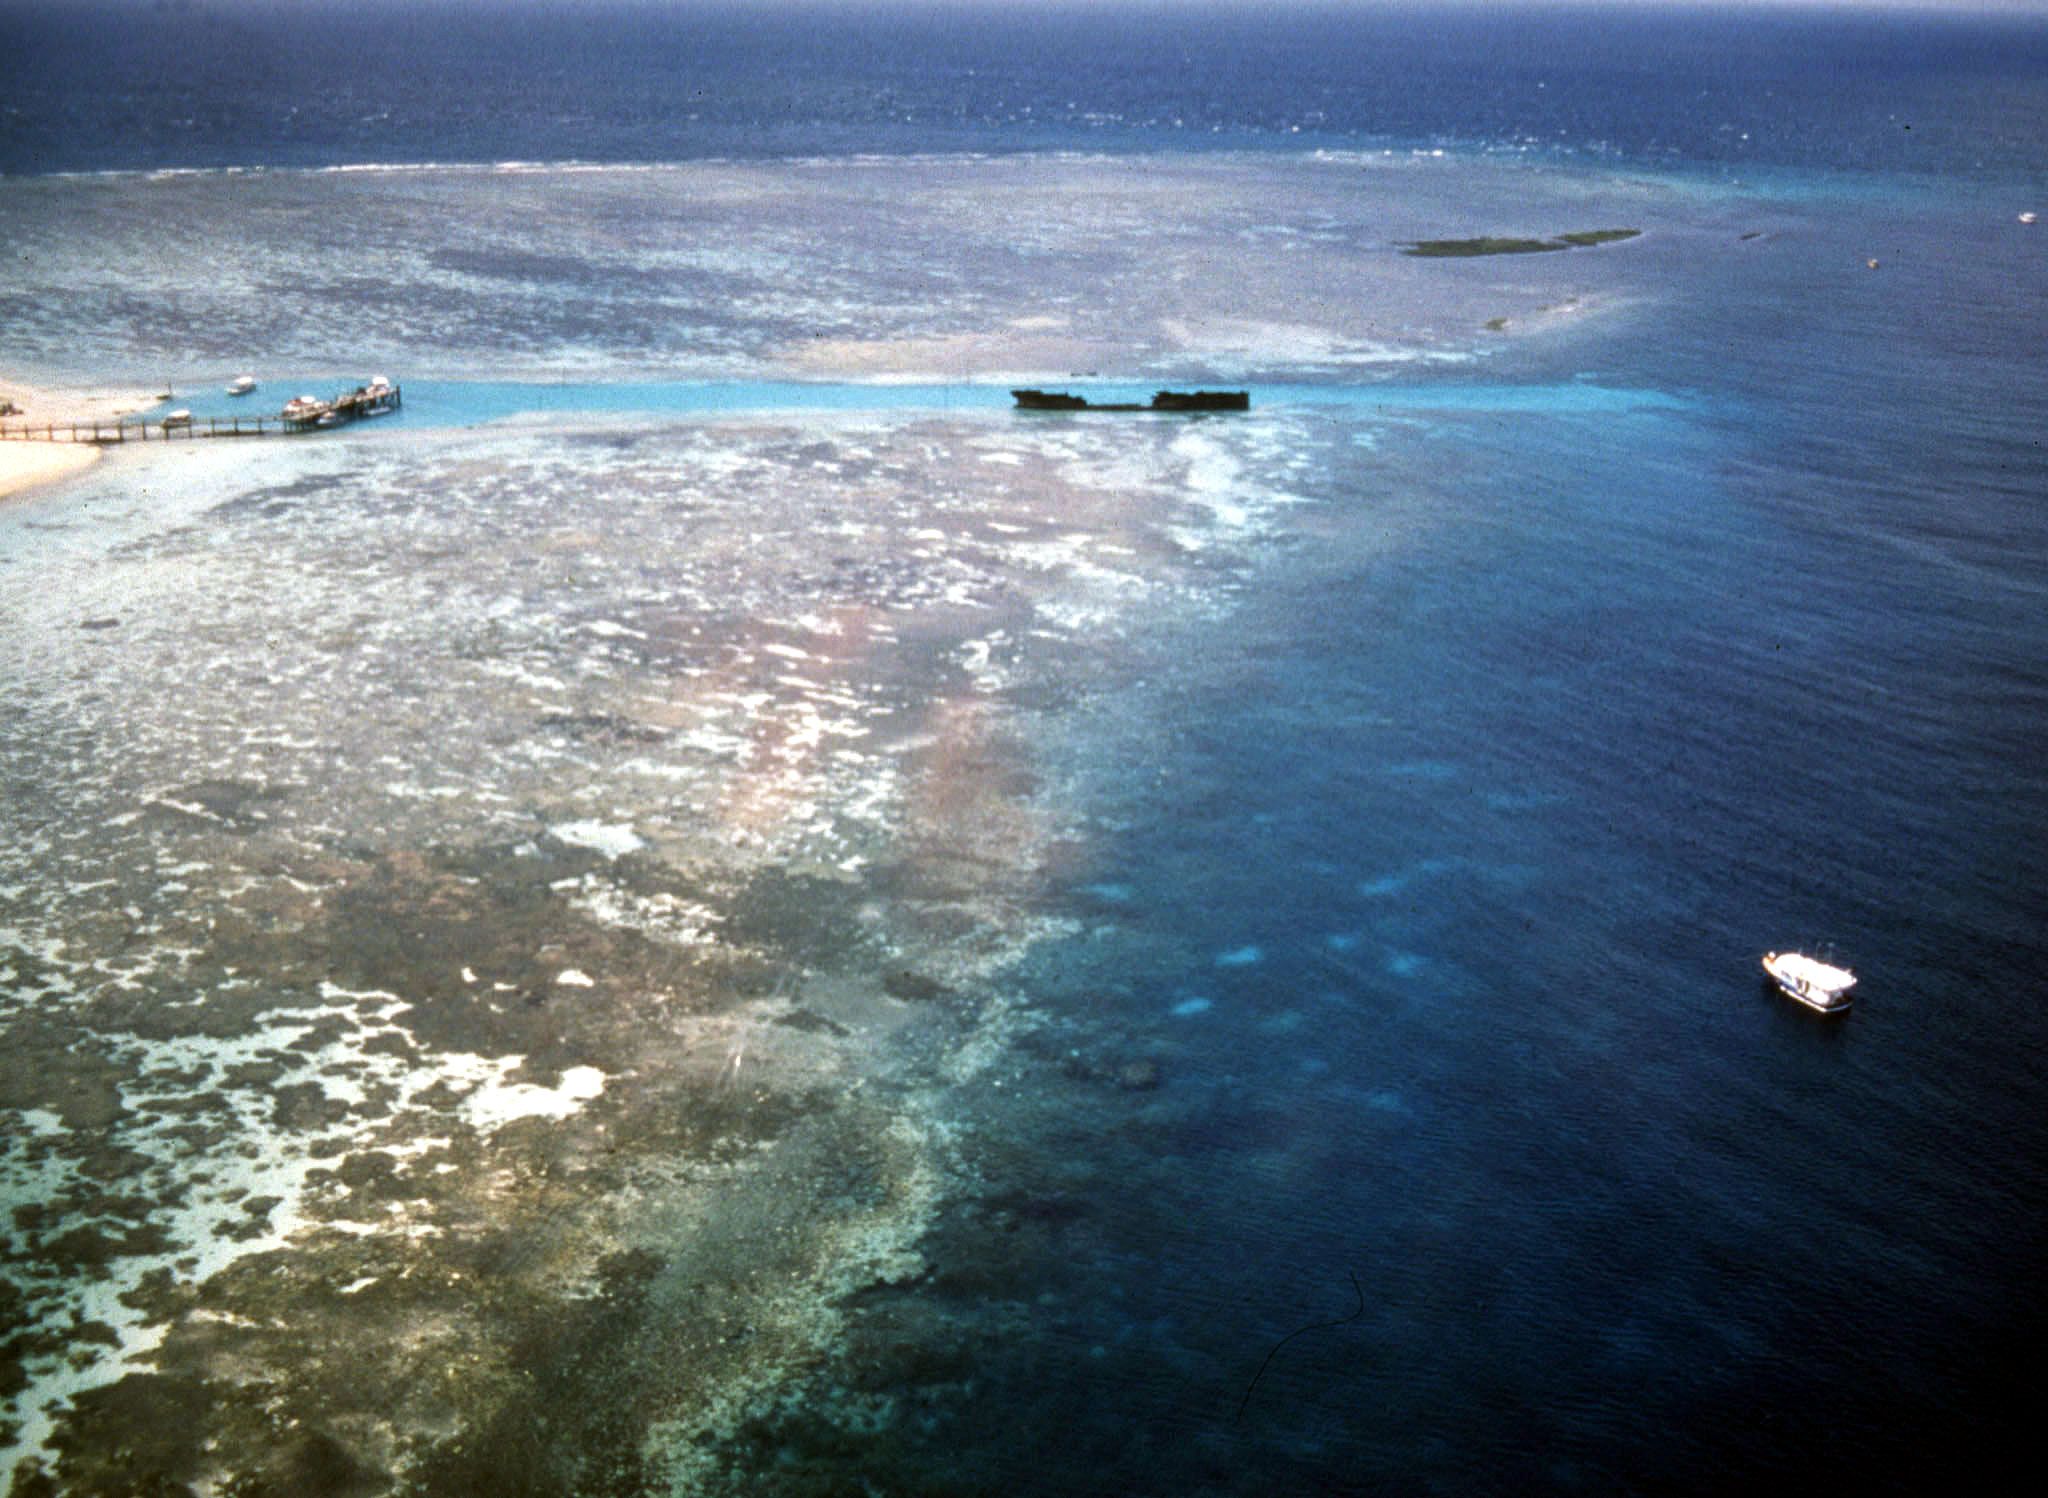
1490 245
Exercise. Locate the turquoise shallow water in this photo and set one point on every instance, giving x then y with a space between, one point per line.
457 403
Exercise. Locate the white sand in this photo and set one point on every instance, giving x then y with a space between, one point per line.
60 406
26 464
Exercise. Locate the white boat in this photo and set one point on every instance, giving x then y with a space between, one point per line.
241 384
177 419
1818 985
302 408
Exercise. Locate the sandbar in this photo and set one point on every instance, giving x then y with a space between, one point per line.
25 464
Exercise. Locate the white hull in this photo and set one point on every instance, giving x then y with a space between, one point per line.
1820 1003
1818 986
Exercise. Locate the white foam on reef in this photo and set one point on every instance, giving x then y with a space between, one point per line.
1091 595
667 918
612 841
198 1193
200 1190
495 1104
1236 345
1112 891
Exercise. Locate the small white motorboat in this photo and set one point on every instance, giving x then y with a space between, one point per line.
1818 985
241 384
177 419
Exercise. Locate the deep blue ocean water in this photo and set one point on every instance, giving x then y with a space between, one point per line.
1468 846
98 86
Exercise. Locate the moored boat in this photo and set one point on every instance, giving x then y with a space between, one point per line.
376 396
177 419
1164 400
1058 400
241 384
1202 400
1818 985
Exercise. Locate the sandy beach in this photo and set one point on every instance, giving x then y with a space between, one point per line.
23 465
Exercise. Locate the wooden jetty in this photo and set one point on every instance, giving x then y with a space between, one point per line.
373 399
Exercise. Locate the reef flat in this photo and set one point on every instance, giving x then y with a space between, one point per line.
522 945
528 899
